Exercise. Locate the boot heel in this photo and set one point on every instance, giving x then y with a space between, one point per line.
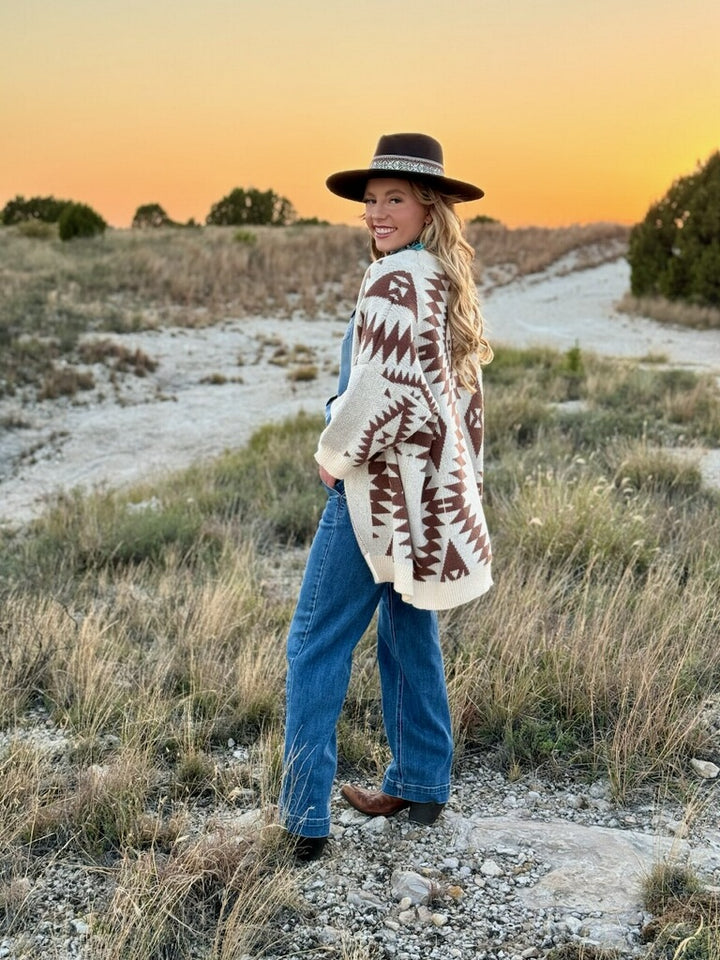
425 813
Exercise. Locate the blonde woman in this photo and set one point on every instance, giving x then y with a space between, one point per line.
403 531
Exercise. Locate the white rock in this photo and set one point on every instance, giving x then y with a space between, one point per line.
376 825
249 821
574 924
330 934
364 899
407 883
704 768
491 869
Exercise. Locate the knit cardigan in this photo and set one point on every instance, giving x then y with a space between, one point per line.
407 440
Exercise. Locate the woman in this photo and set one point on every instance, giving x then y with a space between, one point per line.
403 531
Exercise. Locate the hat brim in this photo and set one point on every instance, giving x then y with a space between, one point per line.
351 184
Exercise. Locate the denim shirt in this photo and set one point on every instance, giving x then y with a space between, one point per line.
345 364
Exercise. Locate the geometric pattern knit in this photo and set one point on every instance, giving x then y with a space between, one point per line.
407 440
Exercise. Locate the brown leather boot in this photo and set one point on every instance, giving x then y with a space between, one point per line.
375 803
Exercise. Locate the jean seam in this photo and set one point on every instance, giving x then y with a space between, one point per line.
399 690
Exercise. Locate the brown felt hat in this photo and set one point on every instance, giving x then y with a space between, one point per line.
409 156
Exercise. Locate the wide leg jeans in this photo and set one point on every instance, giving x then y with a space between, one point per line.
337 600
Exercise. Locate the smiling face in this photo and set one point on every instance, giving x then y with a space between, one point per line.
393 215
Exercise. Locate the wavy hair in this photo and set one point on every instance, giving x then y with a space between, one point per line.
444 238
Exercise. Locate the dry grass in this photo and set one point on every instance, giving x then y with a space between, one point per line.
506 254
52 294
686 921
674 312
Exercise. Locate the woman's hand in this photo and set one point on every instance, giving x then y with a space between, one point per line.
326 478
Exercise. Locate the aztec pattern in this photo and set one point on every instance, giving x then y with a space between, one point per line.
407 439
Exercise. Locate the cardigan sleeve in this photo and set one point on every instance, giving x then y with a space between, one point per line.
387 399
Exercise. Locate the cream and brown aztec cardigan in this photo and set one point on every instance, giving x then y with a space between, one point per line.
408 441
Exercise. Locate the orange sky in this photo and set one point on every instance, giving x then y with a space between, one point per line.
564 111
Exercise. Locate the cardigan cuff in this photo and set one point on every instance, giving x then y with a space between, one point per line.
336 464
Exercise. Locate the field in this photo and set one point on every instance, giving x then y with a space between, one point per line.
142 630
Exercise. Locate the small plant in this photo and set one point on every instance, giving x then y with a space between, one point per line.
686 925
65 382
574 372
117 356
582 951
245 237
668 884
195 774
306 372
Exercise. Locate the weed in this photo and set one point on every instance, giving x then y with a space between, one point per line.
303 373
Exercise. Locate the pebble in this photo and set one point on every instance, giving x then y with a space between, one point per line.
705 769
391 889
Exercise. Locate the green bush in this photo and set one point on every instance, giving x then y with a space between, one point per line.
151 216
245 237
256 207
79 220
45 209
675 251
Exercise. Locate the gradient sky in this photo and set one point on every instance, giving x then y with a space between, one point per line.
564 111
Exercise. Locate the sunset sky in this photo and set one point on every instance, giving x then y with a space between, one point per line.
564 111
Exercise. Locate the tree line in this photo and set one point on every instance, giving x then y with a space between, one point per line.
241 207
673 253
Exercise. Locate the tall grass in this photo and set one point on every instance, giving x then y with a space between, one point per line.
142 648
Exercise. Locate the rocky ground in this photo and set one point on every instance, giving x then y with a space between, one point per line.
510 870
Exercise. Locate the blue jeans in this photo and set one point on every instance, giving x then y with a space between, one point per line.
337 600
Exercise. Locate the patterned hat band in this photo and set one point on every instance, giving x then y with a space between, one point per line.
411 156
407 165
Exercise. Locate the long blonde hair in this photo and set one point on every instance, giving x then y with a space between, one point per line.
443 237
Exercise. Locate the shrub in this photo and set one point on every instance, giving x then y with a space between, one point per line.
151 215
675 251
46 209
79 220
251 206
